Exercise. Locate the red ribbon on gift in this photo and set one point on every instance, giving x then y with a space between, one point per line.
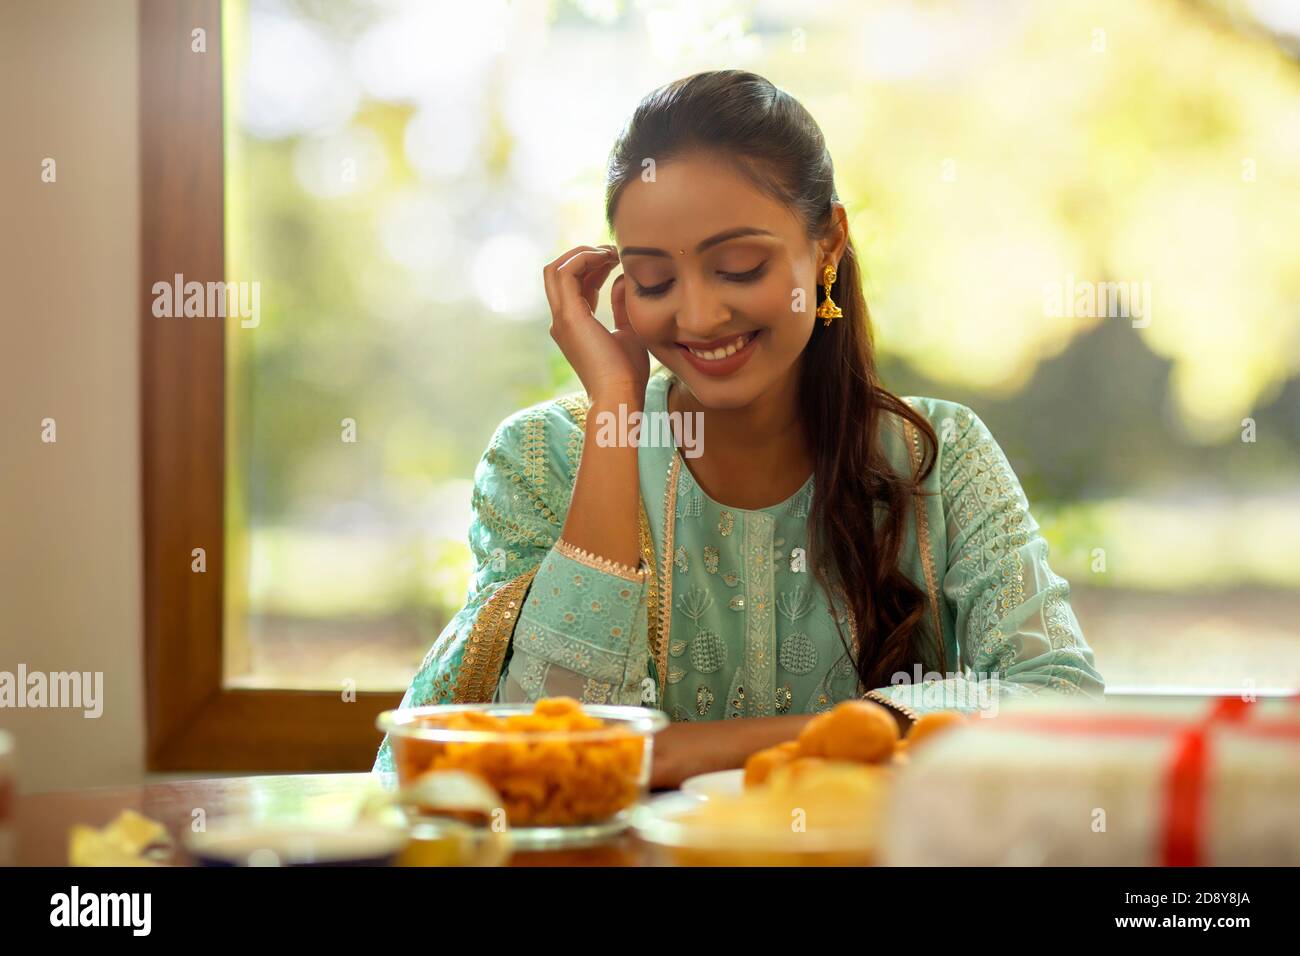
1184 791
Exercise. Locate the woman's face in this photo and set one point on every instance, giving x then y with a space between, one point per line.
721 279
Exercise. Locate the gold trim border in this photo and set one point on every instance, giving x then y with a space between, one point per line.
666 577
597 563
652 593
913 442
485 650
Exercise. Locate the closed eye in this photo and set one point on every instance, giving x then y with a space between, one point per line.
651 292
753 275
655 291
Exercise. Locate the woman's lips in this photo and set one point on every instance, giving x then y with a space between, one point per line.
729 363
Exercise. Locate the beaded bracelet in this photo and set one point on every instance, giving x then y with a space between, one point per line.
887 701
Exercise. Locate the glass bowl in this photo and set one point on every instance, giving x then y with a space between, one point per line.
558 787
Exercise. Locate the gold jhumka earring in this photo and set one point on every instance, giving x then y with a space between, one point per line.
828 309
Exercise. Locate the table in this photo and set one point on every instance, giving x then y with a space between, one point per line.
42 820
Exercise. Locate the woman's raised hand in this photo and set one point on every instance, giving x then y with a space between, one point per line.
606 362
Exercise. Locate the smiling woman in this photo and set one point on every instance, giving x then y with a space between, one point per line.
823 545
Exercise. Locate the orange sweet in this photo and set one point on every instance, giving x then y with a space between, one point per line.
761 763
812 739
855 730
800 767
927 725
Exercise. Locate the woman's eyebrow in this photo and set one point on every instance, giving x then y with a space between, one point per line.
702 245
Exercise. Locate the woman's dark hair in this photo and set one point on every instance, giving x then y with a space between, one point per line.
771 139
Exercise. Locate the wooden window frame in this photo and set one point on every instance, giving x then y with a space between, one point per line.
194 721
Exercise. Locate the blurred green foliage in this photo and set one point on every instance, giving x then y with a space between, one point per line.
397 174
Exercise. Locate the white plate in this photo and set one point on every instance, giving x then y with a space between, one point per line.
721 783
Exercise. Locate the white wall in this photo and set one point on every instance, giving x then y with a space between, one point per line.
69 267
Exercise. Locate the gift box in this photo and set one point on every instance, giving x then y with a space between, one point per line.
1123 782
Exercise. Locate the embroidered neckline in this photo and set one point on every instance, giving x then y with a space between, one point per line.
657 395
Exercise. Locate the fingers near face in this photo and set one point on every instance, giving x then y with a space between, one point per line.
594 277
579 271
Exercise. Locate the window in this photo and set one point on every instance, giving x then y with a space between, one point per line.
381 183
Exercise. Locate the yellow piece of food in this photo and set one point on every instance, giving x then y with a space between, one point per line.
122 842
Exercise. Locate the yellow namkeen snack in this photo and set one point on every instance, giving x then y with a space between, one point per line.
542 780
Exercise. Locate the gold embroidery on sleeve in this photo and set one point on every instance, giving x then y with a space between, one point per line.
485 650
510 530
576 405
534 450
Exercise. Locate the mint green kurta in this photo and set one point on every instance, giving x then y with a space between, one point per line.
725 605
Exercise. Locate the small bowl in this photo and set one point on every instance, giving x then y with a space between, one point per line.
557 787
244 843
